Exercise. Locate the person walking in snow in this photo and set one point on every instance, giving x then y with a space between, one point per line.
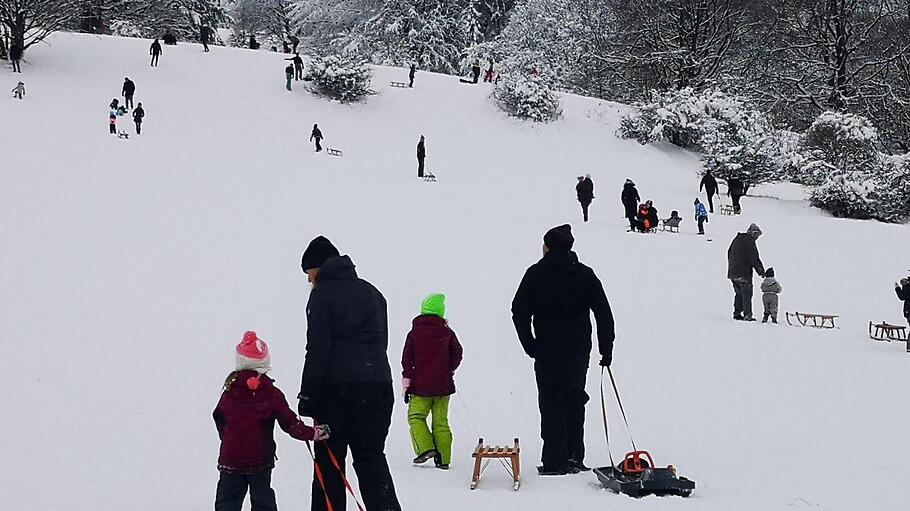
770 289
298 66
138 115
584 190
411 74
245 418
205 32
552 316
347 379
317 137
15 56
709 185
630 200
431 355
421 155
295 41
475 70
129 89
19 91
736 189
701 216
113 122
155 52
742 259
289 75
488 77
903 293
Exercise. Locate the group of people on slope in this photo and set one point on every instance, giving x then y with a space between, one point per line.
736 189
117 110
346 384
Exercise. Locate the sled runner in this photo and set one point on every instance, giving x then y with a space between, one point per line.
429 177
813 320
887 332
485 452
637 476
726 209
123 135
333 152
668 225
399 85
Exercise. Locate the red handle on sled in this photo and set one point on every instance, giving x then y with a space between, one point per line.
633 463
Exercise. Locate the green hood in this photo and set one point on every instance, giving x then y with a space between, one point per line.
434 305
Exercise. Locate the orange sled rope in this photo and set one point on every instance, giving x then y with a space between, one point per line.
321 479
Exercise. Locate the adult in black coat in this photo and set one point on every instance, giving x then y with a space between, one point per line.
557 296
295 41
903 293
15 55
205 33
742 259
709 185
347 380
585 192
138 116
630 201
155 52
129 89
421 155
412 74
298 66
316 135
736 189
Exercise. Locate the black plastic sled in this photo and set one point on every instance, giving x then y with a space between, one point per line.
637 477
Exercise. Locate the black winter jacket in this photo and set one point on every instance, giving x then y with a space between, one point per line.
708 183
155 48
15 52
557 296
129 88
903 293
138 114
742 258
347 333
585 191
630 200
421 150
736 188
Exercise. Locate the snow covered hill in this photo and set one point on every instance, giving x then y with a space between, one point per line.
132 267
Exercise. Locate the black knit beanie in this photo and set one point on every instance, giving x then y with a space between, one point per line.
317 253
559 239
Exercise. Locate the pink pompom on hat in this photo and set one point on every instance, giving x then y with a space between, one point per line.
253 354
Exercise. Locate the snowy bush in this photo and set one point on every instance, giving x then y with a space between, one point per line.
345 77
527 97
843 198
845 141
121 28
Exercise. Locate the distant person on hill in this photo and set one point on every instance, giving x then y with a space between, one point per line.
317 137
742 259
630 200
205 32
673 220
19 91
701 216
294 40
770 289
289 75
15 55
584 190
709 185
138 115
431 355
253 44
170 39
475 70
113 122
647 218
129 88
488 77
115 104
421 155
903 293
298 66
155 52
412 74
736 189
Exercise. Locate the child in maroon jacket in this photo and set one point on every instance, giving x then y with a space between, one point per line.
431 355
245 417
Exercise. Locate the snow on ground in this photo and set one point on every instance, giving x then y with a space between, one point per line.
132 267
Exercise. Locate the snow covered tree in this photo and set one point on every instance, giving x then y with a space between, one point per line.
149 18
345 77
844 141
269 19
30 21
527 97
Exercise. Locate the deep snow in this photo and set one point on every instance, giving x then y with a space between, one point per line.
132 267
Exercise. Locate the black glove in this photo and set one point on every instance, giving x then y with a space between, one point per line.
606 360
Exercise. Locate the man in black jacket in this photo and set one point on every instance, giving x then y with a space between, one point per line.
421 155
903 293
15 55
742 258
736 189
585 191
138 116
709 185
347 381
630 200
155 52
557 296
129 89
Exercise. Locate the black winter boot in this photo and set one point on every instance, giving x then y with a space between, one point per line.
764 318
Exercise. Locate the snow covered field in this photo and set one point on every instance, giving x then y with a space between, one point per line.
132 267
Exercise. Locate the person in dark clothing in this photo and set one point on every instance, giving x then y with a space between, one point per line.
115 104
488 76
15 55
475 70
294 40
205 33
709 185
289 76
556 297
155 52
317 136
742 258
903 293
298 66
138 115
253 44
421 155
169 38
736 189
411 75
646 220
630 200
585 192
347 379
701 216
129 88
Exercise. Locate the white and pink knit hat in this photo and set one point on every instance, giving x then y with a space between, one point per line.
253 354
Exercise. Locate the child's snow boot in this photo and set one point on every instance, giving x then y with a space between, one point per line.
437 458
425 457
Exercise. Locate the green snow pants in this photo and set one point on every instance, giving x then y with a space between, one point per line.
440 439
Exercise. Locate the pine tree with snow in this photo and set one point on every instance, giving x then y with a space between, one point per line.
527 97
345 77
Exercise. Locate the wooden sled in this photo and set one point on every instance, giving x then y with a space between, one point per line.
726 209
886 332
124 135
333 152
669 226
812 320
429 177
400 85
485 452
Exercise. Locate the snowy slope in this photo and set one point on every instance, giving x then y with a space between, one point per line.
132 267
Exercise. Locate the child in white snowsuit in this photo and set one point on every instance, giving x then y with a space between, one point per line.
770 288
19 91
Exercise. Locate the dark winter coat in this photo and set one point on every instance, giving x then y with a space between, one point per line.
155 49
289 71
412 72
421 150
15 52
431 355
129 88
742 258
245 419
138 114
630 199
903 293
708 183
317 135
736 188
558 295
347 333
585 191
204 34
